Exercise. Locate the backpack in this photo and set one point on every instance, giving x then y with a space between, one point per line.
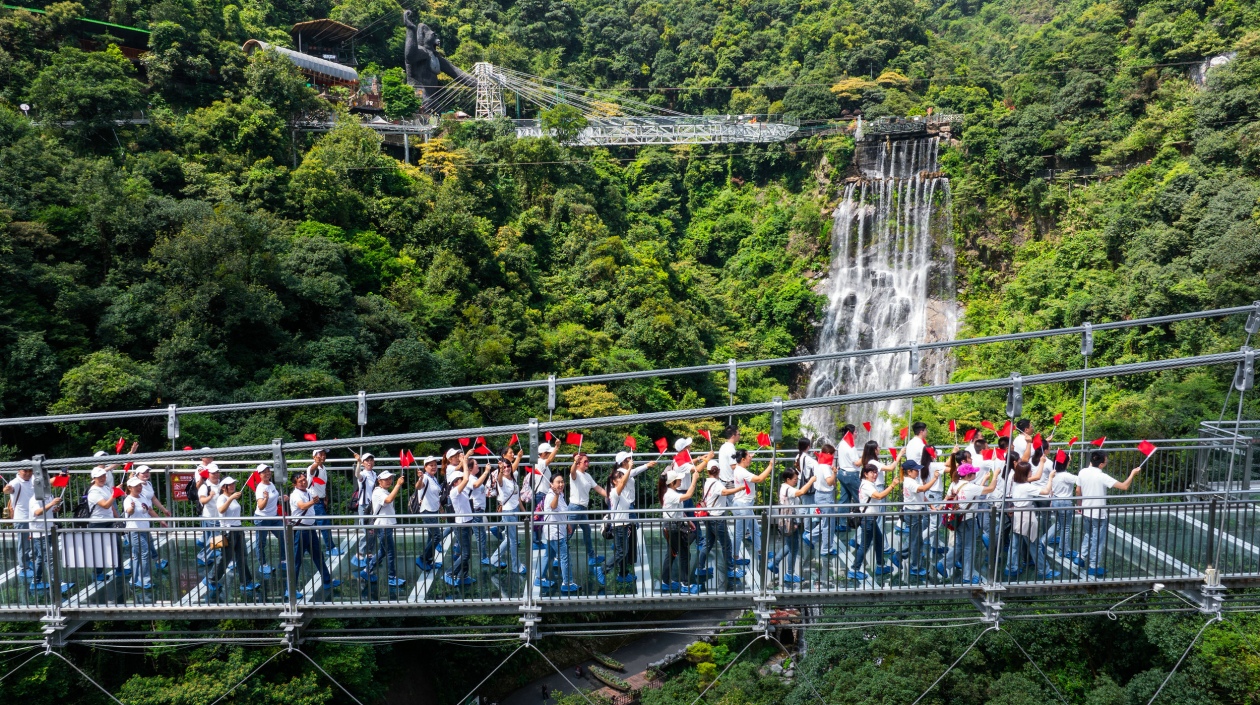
444 499
190 490
82 510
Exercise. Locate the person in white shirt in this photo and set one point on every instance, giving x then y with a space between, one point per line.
678 528
914 489
715 497
507 491
620 504
428 489
42 515
824 529
789 523
109 469
1062 489
748 529
555 529
101 500
317 485
364 485
208 497
916 444
580 486
149 495
869 499
535 484
137 511
726 456
478 490
383 497
846 464
461 504
305 539
1021 444
1091 485
806 466
963 496
266 516
234 553
1025 522
20 490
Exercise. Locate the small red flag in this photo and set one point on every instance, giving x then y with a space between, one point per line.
704 433
513 440
1001 454
317 480
310 437
573 439
1060 457
683 457
930 451
62 480
969 435
763 440
848 438
1074 439
825 458
1037 442
118 492
987 454
989 425
127 466
119 445
402 458
631 443
252 482
205 474
1098 442
187 447
464 441
481 450
411 459
549 437
1146 447
1006 429
532 470
661 445
905 431
866 425
953 426
894 453
1057 419
481 440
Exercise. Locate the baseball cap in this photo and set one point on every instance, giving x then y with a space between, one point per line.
385 475
135 481
98 472
545 447
229 480
674 475
317 451
143 468
99 454
622 457
262 467
213 467
429 459
910 465
682 443
367 456
713 464
454 452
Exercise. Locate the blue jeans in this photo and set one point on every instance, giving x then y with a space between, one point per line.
509 544
915 522
557 548
966 537
751 525
850 481
141 565
715 531
321 511
825 527
791 549
809 520
1033 547
622 560
260 540
305 542
1063 510
39 544
385 545
872 533
480 533
458 569
1094 541
582 522
25 552
435 536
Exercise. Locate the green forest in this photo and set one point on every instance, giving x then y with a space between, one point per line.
215 255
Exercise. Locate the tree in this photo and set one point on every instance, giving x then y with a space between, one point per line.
400 98
86 90
563 122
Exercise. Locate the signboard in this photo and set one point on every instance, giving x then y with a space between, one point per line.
179 481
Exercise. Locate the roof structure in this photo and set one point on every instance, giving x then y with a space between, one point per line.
321 71
323 31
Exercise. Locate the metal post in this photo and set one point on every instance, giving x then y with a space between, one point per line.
533 441
1087 349
406 149
731 384
172 432
1244 380
1212 558
279 467
551 396
290 564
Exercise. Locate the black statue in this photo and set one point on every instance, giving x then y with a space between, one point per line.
423 61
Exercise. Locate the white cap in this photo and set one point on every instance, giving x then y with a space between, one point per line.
261 467
229 480
452 453
682 443
429 459
206 449
143 468
367 456
213 467
385 475
99 454
545 447
622 457
317 451
135 482
713 464
674 475
98 472
454 475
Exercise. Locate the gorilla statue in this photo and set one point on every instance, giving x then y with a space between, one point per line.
424 62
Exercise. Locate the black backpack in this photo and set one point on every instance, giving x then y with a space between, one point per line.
444 499
190 490
82 510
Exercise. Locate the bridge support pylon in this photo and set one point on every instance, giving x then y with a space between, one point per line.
990 605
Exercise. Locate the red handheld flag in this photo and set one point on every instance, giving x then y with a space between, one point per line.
905 431
61 480
1037 442
894 454
118 492
682 458
1074 439
1098 442
989 425
310 437
119 445
930 451
953 426
205 474
465 441
661 445
987 454
1057 419
1146 447
402 459
763 440
513 440
549 437
481 450
187 447
704 433
1001 454
252 482
481 440
848 438
317 480
1006 429
630 443
127 466
969 435
411 459
866 425
573 439
1060 457
825 458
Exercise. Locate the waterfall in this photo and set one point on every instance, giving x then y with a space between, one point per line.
891 283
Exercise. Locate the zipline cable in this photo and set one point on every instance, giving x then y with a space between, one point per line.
1183 658
955 663
334 680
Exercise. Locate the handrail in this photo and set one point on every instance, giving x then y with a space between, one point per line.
619 376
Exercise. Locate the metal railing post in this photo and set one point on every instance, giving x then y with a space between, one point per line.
1213 560
1087 349
732 383
290 563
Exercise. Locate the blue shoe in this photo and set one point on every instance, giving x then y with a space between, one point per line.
544 583
333 584
38 586
555 562
1079 561
286 595
451 581
438 547
883 569
358 560
334 551
852 543
66 587
424 567
437 565
265 569
694 589
664 587
599 575
625 578
833 552
521 571
101 577
569 587
162 564
500 565
200 543
940 550
795 579
856 575
1052 541
1092 572
211 588
1049 575
26 573
701 573
975 580
809 543
743 561
485 561
597 560
842 527
397 582
145 586
249 587
538 546
896 560
1070 554
1100 571
901 529
772 568
675 586
1012 573
364 575
940 567
467 581
736 574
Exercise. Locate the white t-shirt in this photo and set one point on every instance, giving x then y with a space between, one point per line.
477 495
748 489
630 481
1064 484
580 486
619 505
967 493
866 495
1024 493
712 497
21 493
209 510
555 521
109 476
316 489
95 496
137 512
305 517
536 483
367 486
229 511
461 502
938 485
847 457
430 494
1094 484
509 494
37 522
913 491
914 449
726 462
671 503
826 482
273 499
1018 445
147 493
383 508
807 466
787 496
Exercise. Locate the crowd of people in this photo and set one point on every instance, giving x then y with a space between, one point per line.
831 497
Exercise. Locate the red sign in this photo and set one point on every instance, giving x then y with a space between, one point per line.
179 481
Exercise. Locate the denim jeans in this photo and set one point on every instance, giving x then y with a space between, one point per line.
809 520
915 522
751 525
1063 510
581 522
480 533
966 538
385 545
1094 541
872 533
509 544
320 510
260 540
716 531
677 551
141 563
1033 547
25 552
39 545
791 549
233 551
824 535
557 548
306 542
458 569
622 560
435 535
850 481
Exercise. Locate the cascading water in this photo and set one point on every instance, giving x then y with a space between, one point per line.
891 283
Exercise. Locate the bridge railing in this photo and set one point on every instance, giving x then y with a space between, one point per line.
512 560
